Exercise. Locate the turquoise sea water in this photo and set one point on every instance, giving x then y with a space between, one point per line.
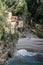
25 64
22 57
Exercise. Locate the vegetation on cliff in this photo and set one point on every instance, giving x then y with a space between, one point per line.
30 9
4 35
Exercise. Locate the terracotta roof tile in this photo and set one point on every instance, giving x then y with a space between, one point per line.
14 18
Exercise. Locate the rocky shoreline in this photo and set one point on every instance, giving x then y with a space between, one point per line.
6 53
5 57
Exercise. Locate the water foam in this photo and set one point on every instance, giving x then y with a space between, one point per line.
24 52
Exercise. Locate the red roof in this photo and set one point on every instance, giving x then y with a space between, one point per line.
14 19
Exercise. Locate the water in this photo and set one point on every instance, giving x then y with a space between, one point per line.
26 64
23 57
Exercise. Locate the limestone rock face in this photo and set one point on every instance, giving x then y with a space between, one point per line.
38 26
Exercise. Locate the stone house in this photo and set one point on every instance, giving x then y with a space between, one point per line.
21 23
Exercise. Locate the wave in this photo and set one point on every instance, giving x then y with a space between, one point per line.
24 52
24 56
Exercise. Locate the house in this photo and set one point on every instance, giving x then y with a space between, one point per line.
21 25
16 22
13 20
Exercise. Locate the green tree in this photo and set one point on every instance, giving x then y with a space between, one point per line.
39 14
32 6
4 35
2 18
20 7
